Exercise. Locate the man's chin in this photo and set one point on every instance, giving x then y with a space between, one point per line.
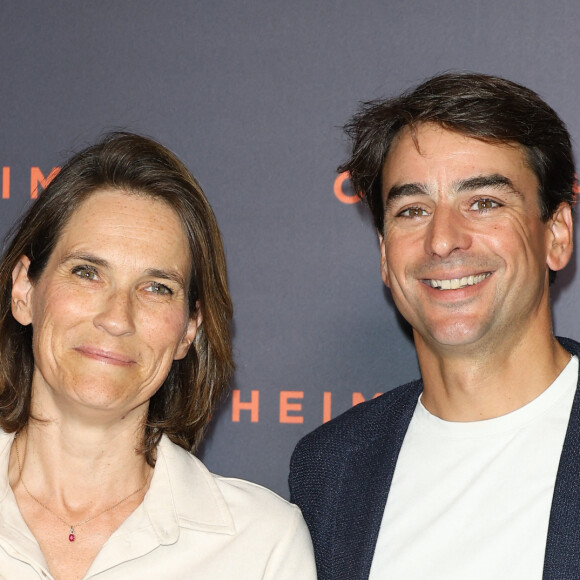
455 338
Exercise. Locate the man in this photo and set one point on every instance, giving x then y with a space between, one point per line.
473 471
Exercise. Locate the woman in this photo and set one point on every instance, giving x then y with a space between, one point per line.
114 350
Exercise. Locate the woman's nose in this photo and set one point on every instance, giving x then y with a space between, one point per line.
116 314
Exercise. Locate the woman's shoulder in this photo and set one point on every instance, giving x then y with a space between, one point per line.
245 501
248 497
247 524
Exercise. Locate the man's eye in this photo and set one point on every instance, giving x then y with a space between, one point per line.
87 272
413 212
484 204
157 288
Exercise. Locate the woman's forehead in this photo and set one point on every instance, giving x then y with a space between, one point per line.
127 223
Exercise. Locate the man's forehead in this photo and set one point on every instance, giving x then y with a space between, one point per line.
410 136
429 153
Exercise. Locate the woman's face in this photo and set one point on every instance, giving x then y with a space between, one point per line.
110 311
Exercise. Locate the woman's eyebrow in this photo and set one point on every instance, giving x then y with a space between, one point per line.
171 275
85 257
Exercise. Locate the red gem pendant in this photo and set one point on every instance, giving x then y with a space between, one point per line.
71 536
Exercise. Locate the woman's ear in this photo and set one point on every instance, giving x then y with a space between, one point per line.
22 292
189 336
559 250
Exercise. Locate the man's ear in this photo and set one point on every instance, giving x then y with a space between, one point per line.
384 266
22 292
189 336
560 238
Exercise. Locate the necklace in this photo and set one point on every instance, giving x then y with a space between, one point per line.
71 536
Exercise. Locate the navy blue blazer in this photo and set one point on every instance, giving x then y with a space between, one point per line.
341 473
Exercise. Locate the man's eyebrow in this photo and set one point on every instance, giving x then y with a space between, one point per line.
406 189
492 181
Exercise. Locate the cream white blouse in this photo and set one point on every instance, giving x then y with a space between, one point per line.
191 524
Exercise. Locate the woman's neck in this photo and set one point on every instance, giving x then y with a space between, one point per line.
77 468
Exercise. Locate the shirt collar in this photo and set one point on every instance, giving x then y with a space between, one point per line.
183 493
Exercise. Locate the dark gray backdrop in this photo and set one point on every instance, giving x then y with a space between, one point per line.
251 96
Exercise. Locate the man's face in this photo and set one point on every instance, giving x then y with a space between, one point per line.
464 250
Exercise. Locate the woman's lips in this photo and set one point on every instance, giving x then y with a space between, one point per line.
105 356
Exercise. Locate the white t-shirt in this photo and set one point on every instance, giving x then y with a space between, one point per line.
472 500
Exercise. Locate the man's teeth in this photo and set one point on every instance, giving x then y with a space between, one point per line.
455 283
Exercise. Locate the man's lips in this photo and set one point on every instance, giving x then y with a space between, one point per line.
105 356
456 283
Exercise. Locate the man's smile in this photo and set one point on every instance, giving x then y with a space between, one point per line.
456 283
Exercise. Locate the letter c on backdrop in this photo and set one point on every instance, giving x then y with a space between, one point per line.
339 191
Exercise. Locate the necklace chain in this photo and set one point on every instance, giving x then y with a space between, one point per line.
72 527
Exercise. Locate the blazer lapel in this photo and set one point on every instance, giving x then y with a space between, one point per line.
365 487
562 559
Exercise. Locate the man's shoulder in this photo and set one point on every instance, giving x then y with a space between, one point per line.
363 423
367 422
345 449
570 345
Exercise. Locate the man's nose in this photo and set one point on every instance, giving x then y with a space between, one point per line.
448 231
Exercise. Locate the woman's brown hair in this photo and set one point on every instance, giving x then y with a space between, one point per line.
136 165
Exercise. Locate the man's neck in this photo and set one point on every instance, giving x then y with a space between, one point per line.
486 383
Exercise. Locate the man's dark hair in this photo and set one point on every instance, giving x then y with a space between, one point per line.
480 106
133 165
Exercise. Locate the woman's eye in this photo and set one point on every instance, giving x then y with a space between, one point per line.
484 204
413 212
157 288
87 272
